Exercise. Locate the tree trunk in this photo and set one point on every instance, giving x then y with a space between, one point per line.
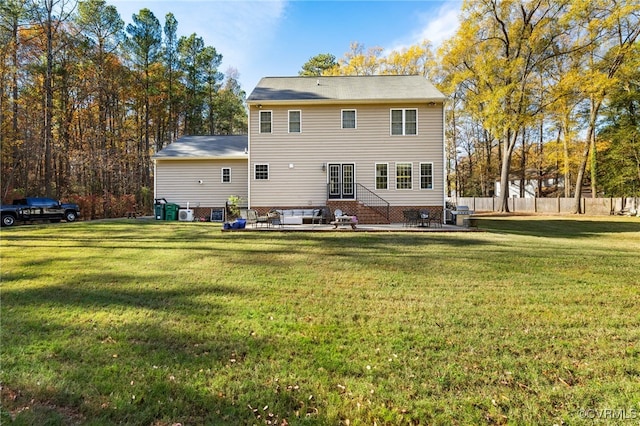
48 104
567 173
490 175
591 135
505 168
523 165
594 169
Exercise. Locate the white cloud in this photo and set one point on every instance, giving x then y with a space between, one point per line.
240 31
436 27
443 26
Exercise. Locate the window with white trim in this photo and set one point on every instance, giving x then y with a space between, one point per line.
349 119
404 122
226 175
382 176
403 176
295 121
261 172
426 175
265 121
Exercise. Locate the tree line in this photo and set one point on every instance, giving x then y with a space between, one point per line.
540 90
85 101
537 90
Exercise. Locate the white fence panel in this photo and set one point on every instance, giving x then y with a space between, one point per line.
590 206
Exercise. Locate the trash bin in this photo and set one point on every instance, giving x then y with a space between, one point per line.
158 208
171 211
159 211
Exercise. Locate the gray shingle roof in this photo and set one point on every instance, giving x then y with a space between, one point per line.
199 147
381 88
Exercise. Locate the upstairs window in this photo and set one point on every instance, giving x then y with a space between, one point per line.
348 118
261 172
403 176
226 175
404 122
382 176
426 175
265 121
295 124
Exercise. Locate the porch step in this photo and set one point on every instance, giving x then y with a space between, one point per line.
365 214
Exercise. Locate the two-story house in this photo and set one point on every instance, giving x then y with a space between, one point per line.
372 146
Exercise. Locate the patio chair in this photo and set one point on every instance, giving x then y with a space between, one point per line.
320 217
436 219
273 218
261 220
424 218
252 217
341 219
411 217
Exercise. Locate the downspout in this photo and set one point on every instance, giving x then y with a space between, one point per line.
249 158
444 166
155 180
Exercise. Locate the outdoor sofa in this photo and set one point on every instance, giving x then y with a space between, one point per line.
300 216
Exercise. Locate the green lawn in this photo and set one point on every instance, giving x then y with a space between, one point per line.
536 321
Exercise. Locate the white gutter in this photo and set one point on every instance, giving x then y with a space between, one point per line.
249 157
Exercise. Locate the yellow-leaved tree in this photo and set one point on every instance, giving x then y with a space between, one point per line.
495 60
604 33
358 61
417 59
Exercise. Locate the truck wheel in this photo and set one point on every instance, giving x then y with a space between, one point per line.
8 220
70 216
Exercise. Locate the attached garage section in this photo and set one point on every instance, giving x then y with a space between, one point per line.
202 172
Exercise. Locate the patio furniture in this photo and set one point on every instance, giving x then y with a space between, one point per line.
342 219
300 216
411 217
320 217
436 218
424 218
261 220
274 219
252 217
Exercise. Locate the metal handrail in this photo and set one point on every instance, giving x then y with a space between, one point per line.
368 198
372 200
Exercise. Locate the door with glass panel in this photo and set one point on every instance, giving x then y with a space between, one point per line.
342 180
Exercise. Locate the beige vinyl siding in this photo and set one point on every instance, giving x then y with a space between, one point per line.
178 181
324 141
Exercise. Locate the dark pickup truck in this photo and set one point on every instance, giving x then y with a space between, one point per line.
30 209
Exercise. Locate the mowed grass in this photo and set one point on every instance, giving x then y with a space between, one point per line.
535 321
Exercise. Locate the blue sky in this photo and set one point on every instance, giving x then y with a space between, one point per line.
276 37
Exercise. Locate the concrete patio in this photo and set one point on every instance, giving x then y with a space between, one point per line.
393 227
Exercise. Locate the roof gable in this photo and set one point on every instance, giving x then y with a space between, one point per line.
205 147
381 88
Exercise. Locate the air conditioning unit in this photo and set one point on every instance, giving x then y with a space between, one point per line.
185 215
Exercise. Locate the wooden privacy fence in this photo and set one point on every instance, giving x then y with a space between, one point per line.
590 206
